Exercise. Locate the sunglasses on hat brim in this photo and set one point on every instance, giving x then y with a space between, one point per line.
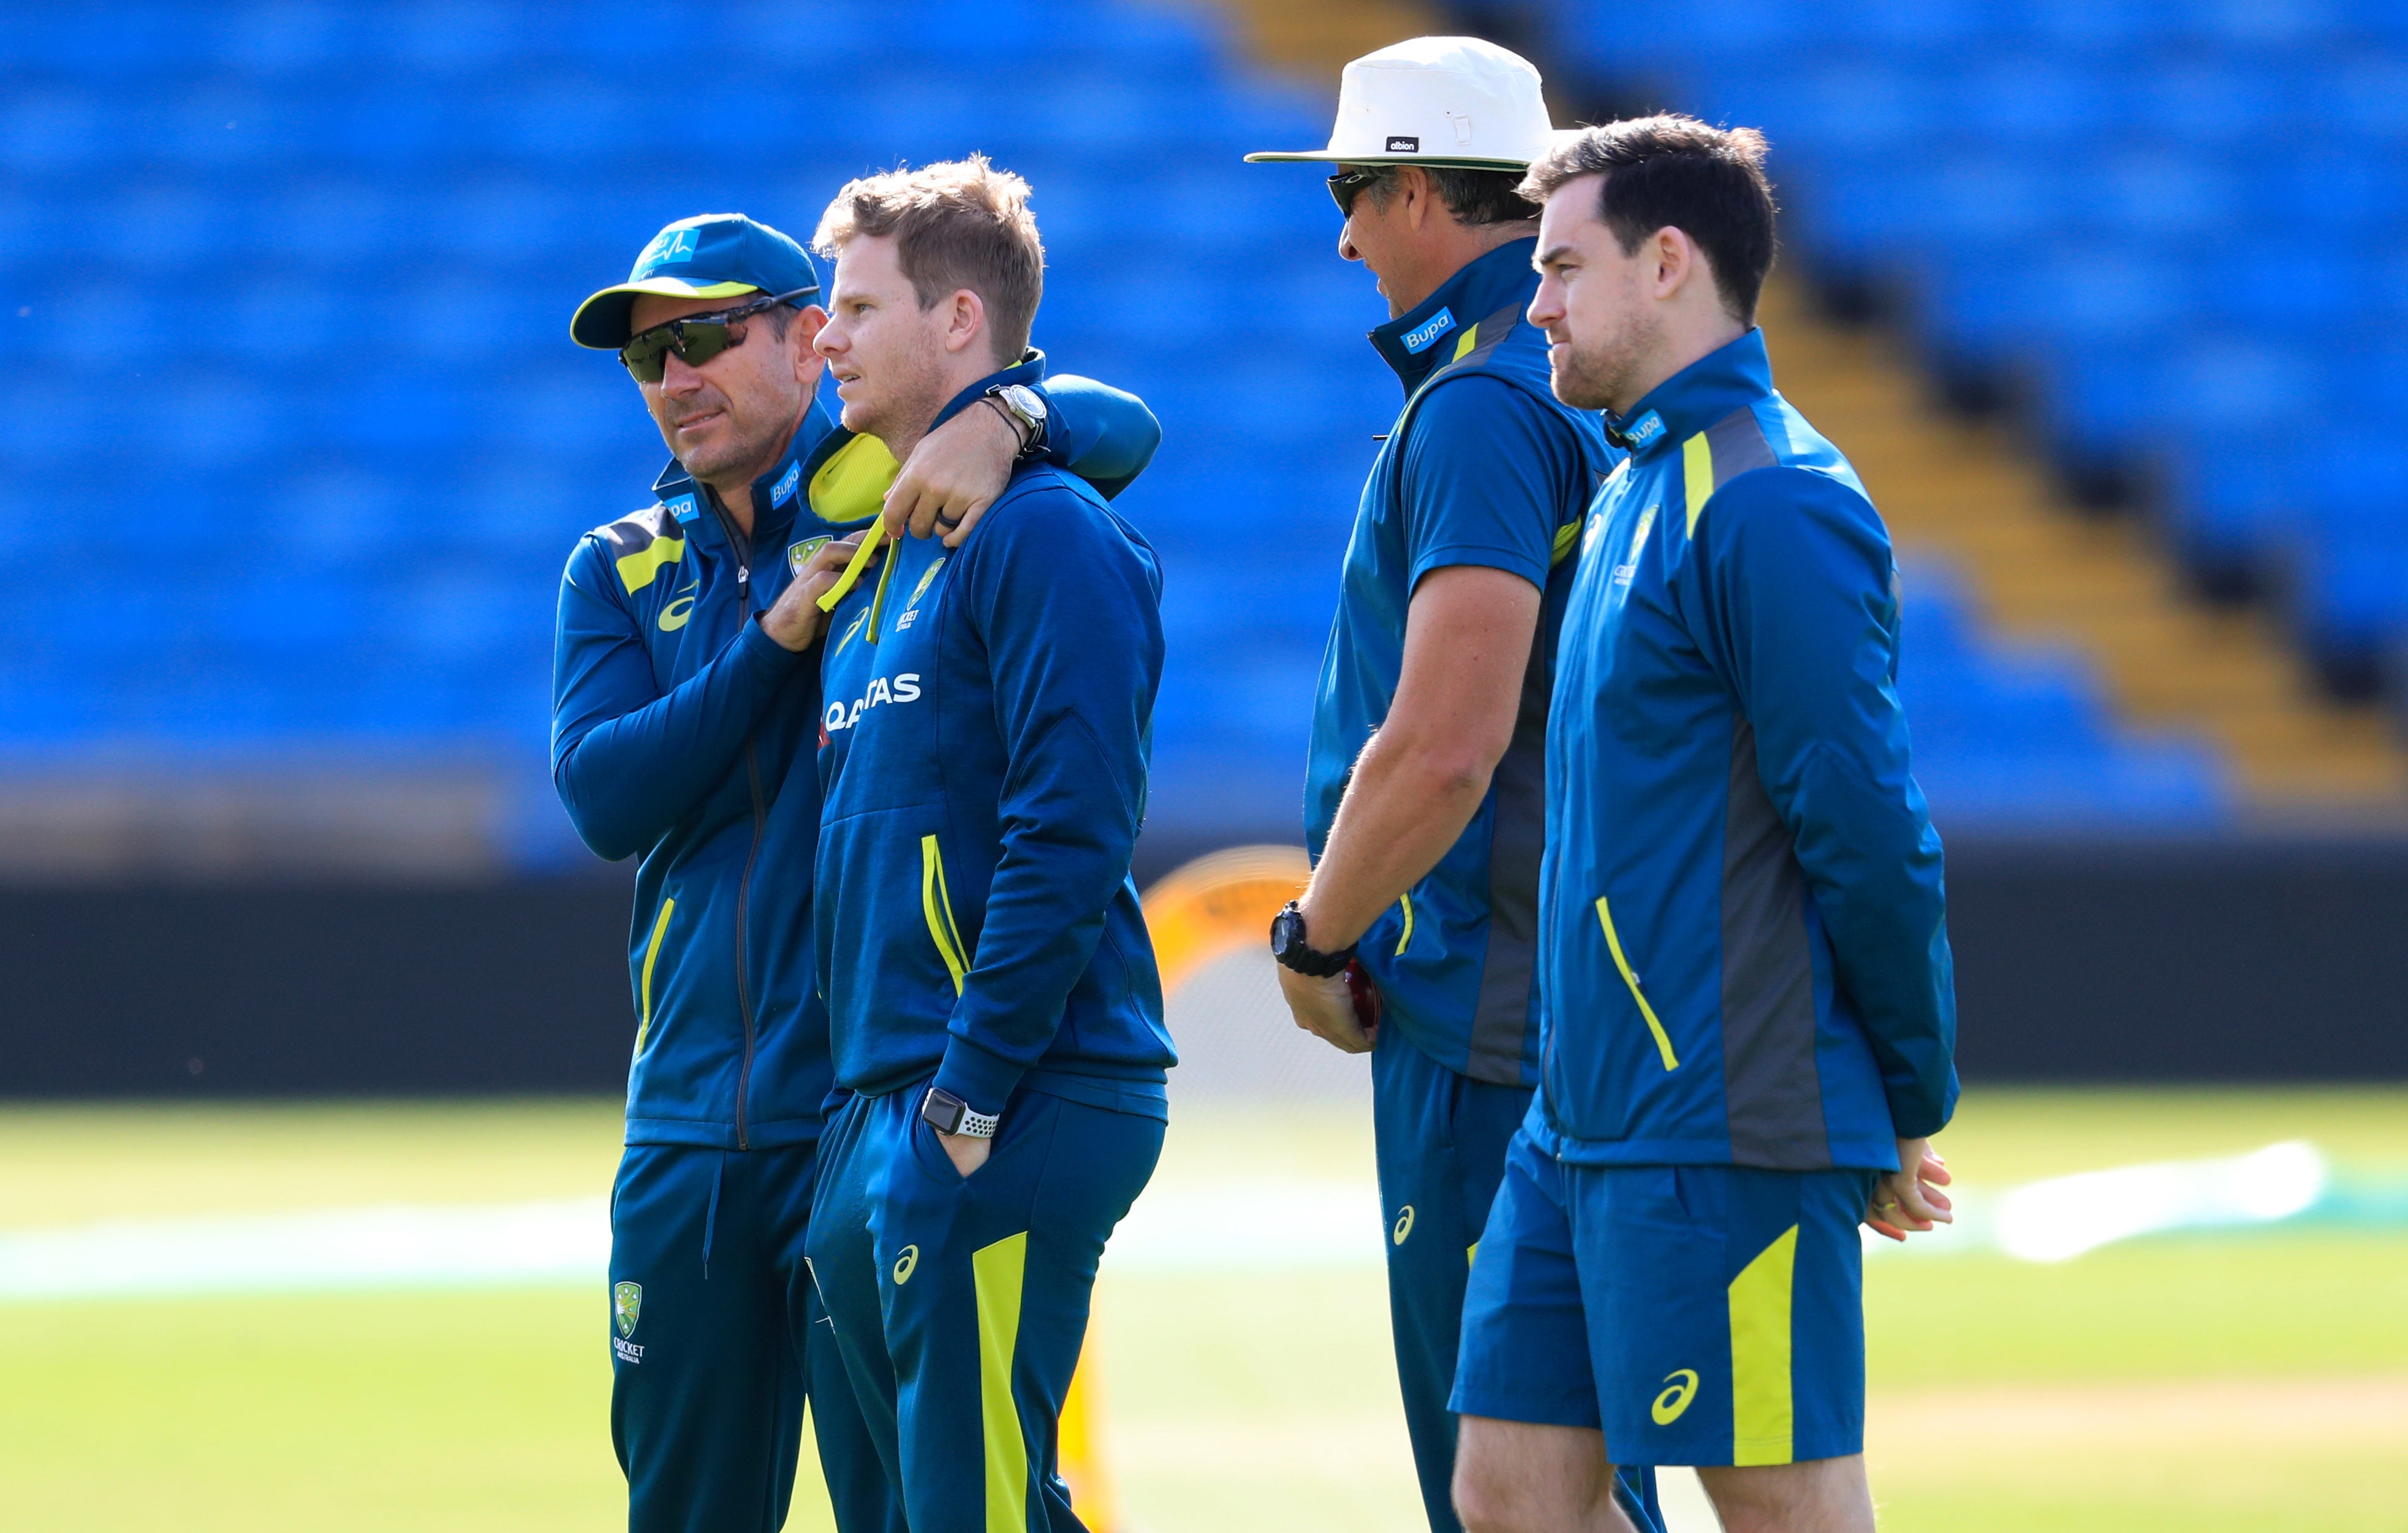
696 337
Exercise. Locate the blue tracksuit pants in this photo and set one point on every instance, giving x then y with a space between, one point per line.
712 1346
960 1304
1441 1139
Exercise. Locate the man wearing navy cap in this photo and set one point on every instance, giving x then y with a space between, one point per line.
684 716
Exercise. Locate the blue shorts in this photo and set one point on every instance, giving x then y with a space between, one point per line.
1697 1315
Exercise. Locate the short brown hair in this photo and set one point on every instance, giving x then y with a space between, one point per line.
960 224
1672 171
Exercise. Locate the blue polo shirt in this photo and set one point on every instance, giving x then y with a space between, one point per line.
1484 466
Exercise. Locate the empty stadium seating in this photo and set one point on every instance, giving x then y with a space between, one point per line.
305 442
2175 227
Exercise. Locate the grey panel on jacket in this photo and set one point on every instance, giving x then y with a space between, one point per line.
1517 840
1771 1082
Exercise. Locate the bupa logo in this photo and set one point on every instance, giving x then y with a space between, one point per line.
784 490
1421 337
1645 429
669 248
1403 144
684 507
842 716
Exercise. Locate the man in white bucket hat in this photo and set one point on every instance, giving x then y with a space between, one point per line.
1425 791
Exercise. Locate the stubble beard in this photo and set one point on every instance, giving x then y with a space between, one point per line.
1582 380
1593 374
741 449
904 407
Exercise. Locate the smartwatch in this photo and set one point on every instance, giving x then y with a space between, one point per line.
949 1114
1025 408
1290 948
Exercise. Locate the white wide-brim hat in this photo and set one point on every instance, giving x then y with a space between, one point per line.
1436 101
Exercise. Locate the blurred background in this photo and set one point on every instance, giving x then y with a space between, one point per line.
2107 300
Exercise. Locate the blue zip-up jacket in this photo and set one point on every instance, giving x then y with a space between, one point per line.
681 733
1484 467
1746 949
983 763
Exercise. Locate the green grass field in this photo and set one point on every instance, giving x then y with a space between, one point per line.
2204 1383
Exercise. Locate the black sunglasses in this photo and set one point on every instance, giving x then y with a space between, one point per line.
1345 186
696 338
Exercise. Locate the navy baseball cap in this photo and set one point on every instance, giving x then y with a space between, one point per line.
711 256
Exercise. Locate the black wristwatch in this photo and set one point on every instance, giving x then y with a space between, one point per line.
949 1114
1290 948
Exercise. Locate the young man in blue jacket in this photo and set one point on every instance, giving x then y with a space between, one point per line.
683 707
991 994
1425 800
1749 1012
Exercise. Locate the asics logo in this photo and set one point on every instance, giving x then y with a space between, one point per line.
1403 1227
1681 1387
904 1264
842 716
673 616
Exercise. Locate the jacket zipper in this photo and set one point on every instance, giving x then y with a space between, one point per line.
760 822
1630 978
937 906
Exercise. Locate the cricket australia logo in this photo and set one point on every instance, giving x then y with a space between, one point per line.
800 553
626 1308
1623 571
912 607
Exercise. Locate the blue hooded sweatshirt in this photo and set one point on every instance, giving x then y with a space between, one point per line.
681 734
982 758
1744 944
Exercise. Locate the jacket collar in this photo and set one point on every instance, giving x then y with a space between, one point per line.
775 493
1417 342
834 436
1029 369
1728 379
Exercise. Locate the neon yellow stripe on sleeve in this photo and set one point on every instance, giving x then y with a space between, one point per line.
1405 940
1698 476
1464 344
639 570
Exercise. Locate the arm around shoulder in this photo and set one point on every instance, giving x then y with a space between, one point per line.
1099 432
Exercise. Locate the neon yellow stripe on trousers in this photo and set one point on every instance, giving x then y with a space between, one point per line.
997 1270
1759 1339
652 951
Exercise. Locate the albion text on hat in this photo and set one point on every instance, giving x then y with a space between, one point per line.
1436 101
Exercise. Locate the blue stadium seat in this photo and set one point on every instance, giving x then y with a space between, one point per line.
2077 194
331 339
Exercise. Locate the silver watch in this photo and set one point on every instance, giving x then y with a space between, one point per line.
1026 408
